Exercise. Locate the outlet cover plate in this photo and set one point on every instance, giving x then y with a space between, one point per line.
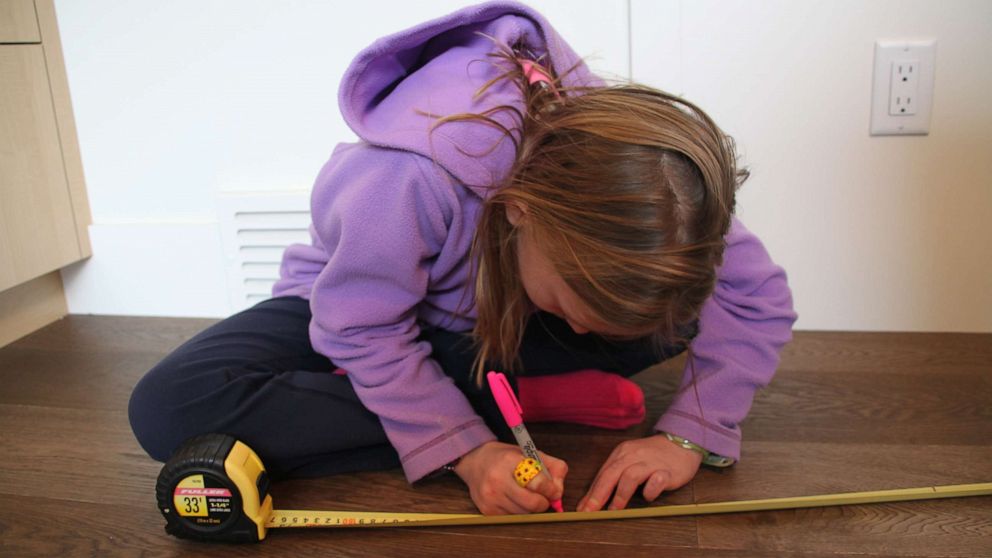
887 53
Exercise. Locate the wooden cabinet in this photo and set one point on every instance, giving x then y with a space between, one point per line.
44 213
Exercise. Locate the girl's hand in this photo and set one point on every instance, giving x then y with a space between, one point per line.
654 461
488 472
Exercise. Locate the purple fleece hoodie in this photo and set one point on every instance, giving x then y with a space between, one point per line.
393 219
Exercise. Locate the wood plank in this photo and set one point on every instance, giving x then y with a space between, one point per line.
780 469
115 334
81 455
888 352
908 407
919 398
880 352
90 380
932 528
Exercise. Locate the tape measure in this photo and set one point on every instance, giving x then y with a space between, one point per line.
214 488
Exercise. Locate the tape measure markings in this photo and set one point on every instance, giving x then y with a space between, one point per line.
314 518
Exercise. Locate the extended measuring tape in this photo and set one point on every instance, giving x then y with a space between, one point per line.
215 488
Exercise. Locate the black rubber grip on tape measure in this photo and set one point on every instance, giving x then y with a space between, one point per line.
204 455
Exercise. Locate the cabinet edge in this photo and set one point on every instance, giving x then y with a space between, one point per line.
31 306
61 99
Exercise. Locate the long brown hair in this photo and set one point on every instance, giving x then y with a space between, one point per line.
628 189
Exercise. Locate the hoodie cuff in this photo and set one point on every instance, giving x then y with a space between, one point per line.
444 449
714 438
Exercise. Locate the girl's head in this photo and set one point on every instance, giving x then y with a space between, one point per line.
613 217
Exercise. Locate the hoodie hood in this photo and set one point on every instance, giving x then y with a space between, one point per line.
398 86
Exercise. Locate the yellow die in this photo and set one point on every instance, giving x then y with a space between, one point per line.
526 470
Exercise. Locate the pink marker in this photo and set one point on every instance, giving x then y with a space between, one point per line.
510 407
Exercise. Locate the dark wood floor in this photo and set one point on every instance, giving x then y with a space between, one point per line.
847 412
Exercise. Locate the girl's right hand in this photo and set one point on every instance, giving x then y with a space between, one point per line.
488 472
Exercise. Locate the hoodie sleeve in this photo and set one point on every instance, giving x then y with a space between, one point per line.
742 327
382 223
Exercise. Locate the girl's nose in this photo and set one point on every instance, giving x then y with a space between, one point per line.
577 328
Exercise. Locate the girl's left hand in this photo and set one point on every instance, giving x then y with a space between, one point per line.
654 461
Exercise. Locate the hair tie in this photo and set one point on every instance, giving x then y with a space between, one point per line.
537 74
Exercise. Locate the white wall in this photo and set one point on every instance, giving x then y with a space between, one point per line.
179 102
877 233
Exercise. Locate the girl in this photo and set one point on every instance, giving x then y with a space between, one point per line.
503 208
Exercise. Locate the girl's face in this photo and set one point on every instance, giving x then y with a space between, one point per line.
548 291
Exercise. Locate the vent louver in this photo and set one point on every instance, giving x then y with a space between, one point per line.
257 227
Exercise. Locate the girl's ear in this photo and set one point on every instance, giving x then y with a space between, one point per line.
514 213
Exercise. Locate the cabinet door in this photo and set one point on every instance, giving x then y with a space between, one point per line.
37 226
18 23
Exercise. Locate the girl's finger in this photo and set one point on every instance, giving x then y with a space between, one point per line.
525 501
500 505
602 487
630 479
506 509
656 483
545 486
557 467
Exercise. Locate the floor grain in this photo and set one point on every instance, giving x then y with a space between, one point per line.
846 412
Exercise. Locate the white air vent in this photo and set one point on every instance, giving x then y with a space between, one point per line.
256 228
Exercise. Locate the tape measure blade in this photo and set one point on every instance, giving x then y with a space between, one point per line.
313 518
976 489
319 518
768 504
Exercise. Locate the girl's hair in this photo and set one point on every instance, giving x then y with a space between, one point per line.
629 191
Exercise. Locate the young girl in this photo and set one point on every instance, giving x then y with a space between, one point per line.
504 208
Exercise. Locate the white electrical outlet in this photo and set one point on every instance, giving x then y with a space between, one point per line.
902 88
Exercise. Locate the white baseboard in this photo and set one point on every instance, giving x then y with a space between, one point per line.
174 269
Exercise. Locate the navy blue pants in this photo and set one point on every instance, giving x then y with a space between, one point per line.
256 376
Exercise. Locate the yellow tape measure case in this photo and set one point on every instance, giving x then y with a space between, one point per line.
214 488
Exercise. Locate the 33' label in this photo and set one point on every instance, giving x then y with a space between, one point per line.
192 499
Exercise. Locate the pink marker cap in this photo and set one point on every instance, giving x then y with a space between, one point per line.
507 402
